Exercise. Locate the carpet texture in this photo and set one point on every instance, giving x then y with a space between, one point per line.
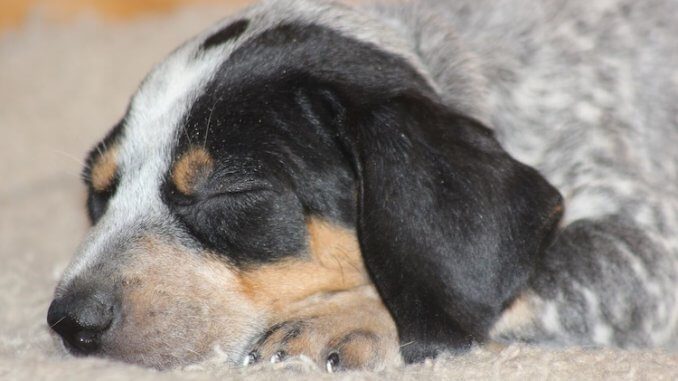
61 88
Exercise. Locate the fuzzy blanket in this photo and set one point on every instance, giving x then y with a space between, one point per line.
61 88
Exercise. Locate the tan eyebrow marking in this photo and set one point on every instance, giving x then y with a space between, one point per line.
191 169
104 169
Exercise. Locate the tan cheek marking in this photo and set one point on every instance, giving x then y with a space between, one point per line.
104 169
192 168
334 264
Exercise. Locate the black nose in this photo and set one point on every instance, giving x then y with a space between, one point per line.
80 320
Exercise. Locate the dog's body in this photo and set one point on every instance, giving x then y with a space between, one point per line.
274 167
587 94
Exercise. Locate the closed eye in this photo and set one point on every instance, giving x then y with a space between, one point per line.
227 188
245 220
242 186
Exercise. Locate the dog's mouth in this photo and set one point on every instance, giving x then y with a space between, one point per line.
86 345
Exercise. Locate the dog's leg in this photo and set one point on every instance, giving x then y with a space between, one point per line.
339 331
603 281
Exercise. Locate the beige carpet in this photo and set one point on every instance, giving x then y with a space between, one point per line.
61 87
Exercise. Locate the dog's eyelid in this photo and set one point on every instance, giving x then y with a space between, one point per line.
242 186
227 189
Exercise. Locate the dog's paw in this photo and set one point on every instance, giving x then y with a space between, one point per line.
347 330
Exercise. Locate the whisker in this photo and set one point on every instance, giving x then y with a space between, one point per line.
177 131
209 120
66 154
57 322
346 253
77 175
341 268
98 148
188 136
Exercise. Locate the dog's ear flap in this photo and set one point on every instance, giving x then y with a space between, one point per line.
450 226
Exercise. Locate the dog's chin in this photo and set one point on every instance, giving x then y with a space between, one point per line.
222 354
161 354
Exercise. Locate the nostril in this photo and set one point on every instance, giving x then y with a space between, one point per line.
80 322
86 341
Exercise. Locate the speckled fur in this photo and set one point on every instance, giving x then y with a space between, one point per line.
587 93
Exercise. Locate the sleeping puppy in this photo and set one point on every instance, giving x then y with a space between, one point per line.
309 179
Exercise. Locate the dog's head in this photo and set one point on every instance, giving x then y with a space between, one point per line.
261 164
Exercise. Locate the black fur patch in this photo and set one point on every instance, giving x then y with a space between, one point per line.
231 32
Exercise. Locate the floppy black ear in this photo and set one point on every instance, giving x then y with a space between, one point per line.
450 225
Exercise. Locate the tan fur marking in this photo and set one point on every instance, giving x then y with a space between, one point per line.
353 323
191 169
518 315
334 264
104 169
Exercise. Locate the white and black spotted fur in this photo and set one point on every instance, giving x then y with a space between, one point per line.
584 92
